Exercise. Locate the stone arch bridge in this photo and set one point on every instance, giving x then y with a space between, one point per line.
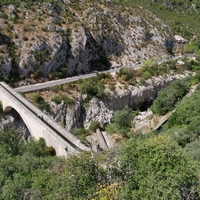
40 124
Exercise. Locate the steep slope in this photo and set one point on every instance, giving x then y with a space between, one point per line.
70 38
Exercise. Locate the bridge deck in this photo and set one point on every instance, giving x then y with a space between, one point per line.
57 131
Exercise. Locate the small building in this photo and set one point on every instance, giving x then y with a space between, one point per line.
179 39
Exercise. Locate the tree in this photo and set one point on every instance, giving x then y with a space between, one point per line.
157 168
123 118
10 142
78 179
193 150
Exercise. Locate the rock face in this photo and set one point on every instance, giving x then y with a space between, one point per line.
48 38
139 97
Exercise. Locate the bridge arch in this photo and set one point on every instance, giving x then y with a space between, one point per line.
39 124
8 109
33 125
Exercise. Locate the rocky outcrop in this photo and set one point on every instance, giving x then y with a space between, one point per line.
136 97
98 111
51 38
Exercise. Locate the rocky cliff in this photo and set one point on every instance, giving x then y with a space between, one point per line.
77 37
136 97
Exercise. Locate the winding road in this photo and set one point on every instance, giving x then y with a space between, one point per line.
47 84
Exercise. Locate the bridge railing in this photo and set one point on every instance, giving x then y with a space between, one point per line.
59 130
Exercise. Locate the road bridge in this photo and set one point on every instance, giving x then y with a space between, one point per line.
39 124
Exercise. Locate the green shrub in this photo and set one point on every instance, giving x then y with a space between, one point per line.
93 87
146 75
57 99
22 93
9 27
37 98
44 106
94 126
123 118
127 72
190 48
61 72
3 15
68 101
1 108
81 133
37 73
111 86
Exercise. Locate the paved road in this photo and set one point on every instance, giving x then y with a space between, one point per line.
48 84
39 86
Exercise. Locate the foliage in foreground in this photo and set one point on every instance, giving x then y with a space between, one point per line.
152 167
156 168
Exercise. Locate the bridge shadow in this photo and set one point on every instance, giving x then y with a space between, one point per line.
13 119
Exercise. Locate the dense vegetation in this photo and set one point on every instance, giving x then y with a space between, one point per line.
27 2
94 86
168 97
185 121
152 167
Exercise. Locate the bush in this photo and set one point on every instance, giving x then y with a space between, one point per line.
127 72
68 101
1 109
1 106
81 133
111 86
37 73
93 87
44 106
190 48
123 118
94 126
187 113
37 98
57 99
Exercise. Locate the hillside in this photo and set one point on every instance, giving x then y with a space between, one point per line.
63 39
181 15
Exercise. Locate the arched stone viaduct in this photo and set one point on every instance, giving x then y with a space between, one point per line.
39 124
